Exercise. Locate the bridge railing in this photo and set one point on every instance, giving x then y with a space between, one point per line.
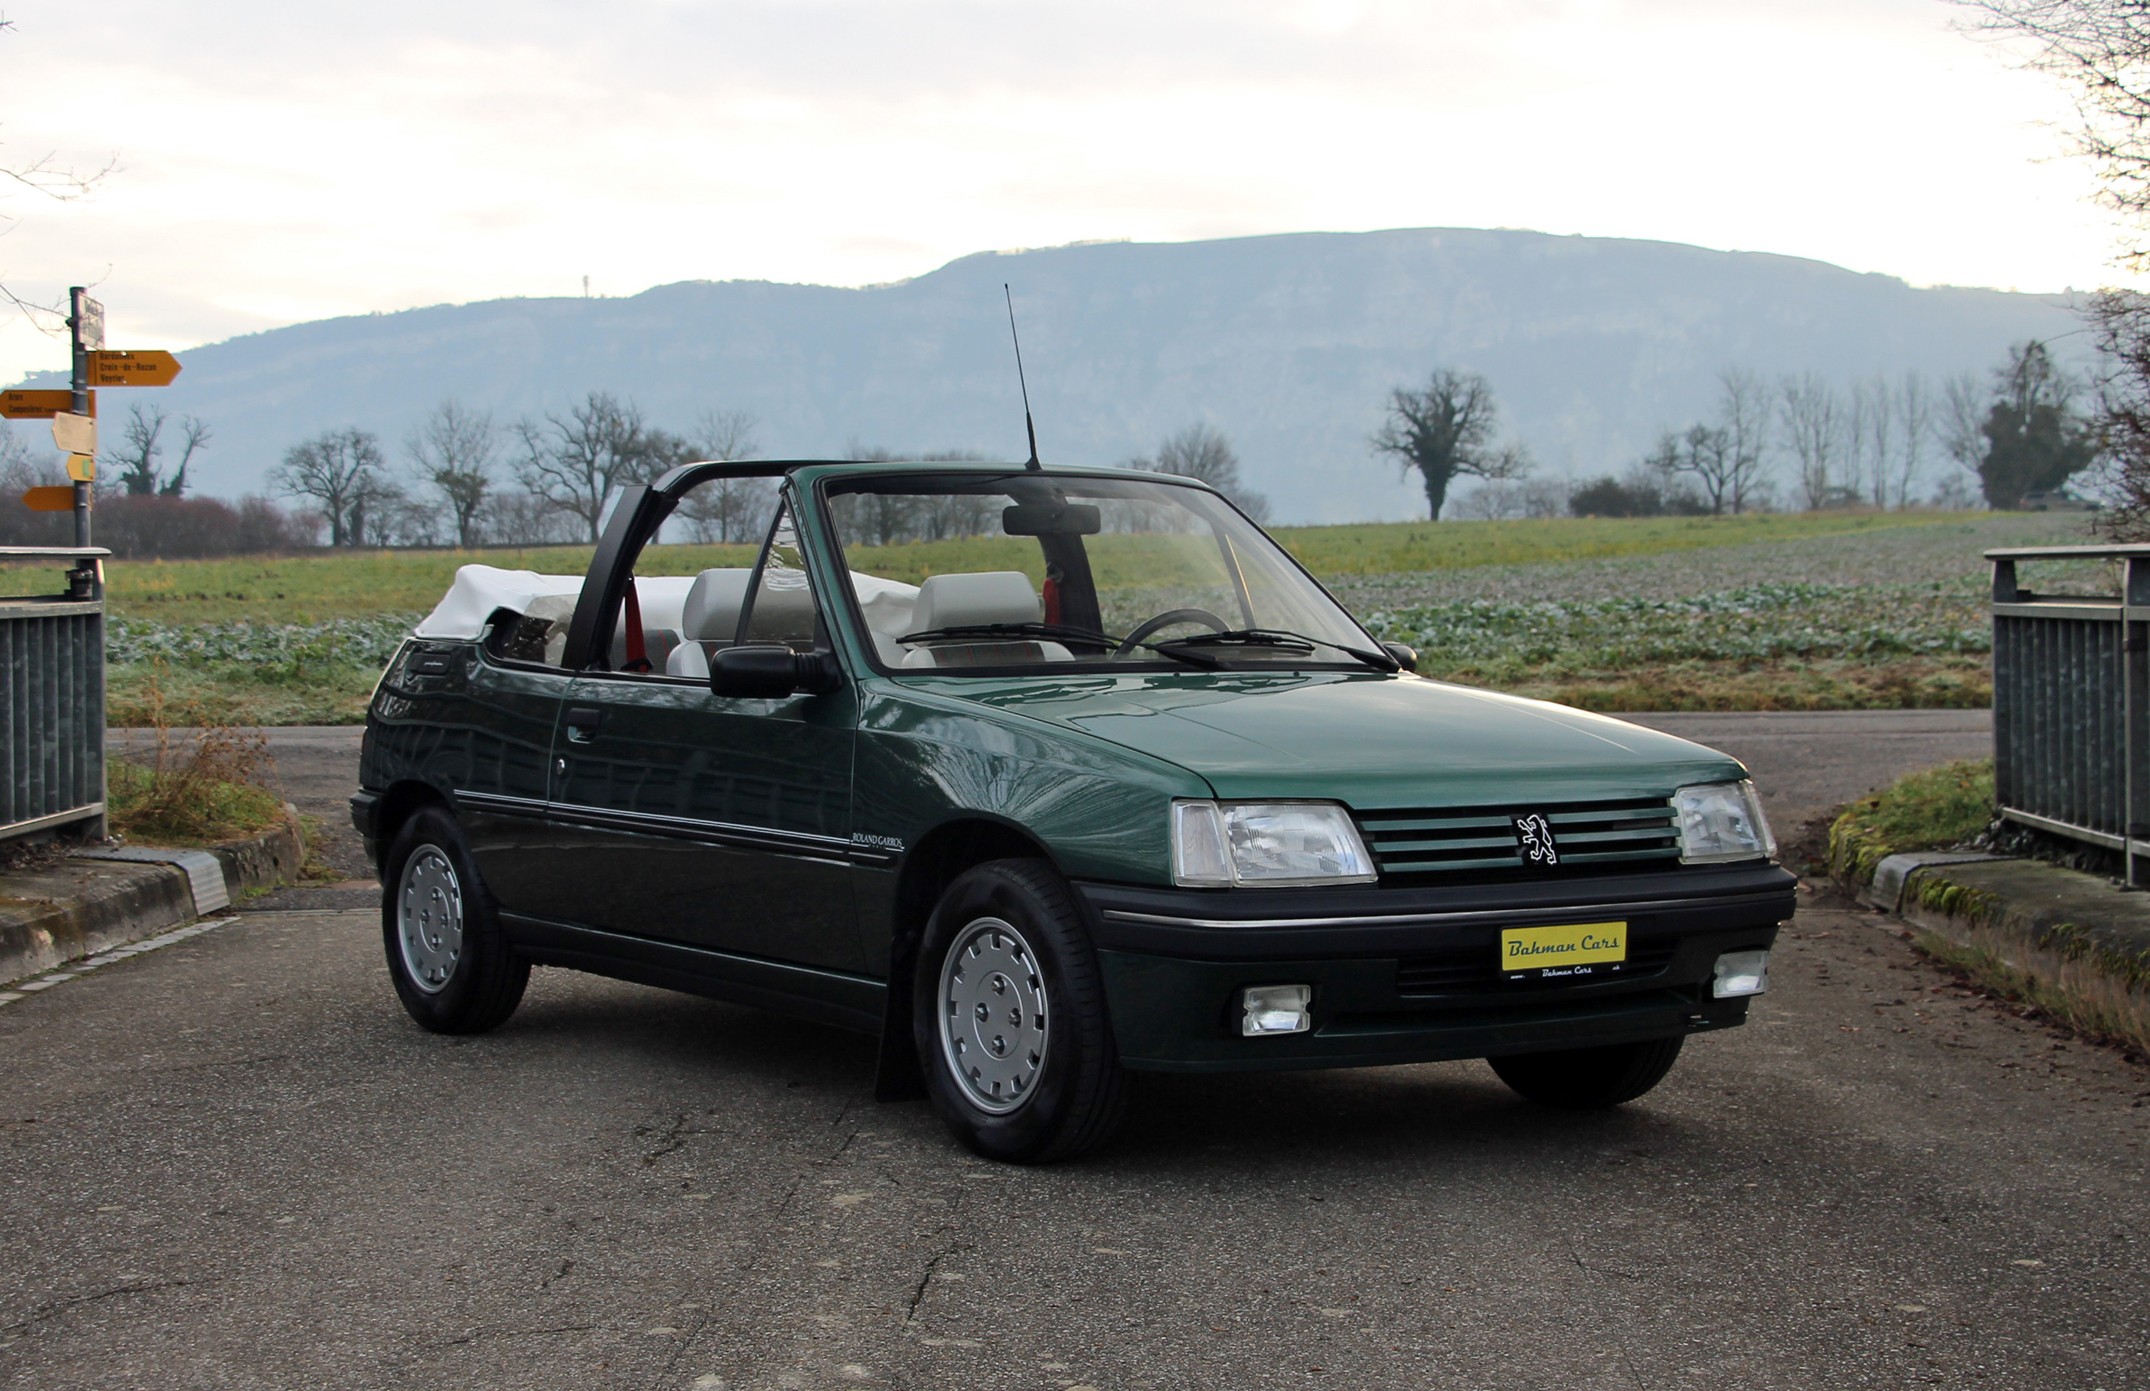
2071 697
52 691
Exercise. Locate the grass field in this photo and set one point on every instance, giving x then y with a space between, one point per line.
1822 611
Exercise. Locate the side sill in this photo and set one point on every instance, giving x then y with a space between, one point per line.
804 992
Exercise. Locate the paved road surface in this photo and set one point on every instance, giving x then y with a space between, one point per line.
232 1163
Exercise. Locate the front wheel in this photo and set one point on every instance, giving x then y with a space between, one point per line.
1589 1079
453 967
1010 1027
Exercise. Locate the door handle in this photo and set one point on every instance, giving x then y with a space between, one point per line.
582 723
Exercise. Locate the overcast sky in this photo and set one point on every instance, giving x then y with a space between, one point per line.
279 162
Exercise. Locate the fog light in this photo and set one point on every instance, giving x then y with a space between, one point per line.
1741 973
1276 1009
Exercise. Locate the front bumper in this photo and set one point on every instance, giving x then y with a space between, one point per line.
1413 975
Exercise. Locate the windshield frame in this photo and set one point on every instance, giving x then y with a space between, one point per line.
983 476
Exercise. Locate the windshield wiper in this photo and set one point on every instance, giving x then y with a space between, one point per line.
1088 636
1278 638
1068 632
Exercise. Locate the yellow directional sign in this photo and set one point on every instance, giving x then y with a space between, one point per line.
145 367
82 468
52 499
39 405
74 434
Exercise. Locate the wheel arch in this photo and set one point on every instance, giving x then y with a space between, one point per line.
929 866
400 803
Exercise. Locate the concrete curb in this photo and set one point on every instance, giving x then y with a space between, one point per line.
2073 943
84 906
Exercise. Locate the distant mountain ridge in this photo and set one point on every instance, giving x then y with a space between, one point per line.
1288 344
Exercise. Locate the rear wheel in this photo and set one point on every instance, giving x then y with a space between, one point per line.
1589 1079
453 968
1010 1025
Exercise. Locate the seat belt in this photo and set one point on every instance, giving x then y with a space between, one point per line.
637 643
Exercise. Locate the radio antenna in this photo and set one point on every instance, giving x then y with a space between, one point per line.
1028 425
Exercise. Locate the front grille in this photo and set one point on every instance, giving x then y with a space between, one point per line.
1476 969
1478 840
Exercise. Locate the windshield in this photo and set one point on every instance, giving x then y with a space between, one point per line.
1022 570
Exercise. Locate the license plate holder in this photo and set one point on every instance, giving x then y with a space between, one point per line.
1563 951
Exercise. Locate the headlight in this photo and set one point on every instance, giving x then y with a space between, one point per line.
1722 821
1273 844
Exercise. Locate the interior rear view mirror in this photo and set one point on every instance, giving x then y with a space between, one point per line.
1051 519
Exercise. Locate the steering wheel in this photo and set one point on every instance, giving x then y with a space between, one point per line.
1160 622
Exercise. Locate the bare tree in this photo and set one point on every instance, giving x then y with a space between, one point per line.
341 471
453 450
1743 415
1704 453
1915 414
1813 419
579 460
140 475
1962 424
727 509
136 459
193 434
19 473
2102 49
1444 431
514 517
1871 437
1202 452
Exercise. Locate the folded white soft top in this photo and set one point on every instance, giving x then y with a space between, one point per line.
480 589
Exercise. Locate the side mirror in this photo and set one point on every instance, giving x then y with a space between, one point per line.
771 672
1406 657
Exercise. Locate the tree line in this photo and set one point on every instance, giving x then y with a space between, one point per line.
1800 442
464 478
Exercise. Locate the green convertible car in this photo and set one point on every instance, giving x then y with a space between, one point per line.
1043 777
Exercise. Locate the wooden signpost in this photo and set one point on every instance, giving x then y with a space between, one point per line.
145 367
73 412
40 405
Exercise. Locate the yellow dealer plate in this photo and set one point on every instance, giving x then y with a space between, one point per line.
1565 949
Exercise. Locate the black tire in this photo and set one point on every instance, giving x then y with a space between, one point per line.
1016 926
461 982
1589 1079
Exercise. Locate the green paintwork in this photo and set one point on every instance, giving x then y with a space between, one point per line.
1370 741
927 756
737 842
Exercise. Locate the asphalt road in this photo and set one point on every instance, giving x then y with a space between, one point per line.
233 1163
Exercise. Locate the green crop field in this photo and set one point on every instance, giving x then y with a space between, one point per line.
1820 611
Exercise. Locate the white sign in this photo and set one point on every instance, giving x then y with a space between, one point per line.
74 434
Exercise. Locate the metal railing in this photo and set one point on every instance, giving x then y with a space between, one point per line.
2071 702
52 694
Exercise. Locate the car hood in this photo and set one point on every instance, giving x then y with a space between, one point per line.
1369 740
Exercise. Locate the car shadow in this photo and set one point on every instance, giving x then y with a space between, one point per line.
592 1016
1437 1114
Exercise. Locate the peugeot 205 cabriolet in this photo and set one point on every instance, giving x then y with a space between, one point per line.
1043 777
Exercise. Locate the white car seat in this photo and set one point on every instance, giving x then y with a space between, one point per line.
708 618
987 596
